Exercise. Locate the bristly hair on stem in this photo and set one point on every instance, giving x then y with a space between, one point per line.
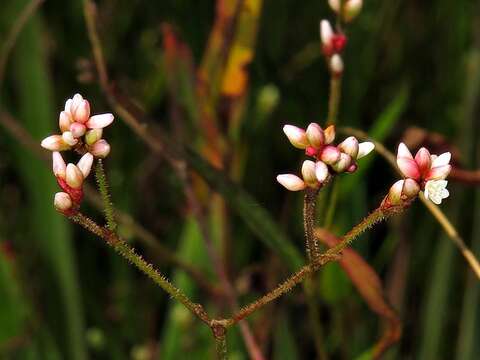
107 202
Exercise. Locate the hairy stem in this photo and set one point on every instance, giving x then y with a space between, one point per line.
122 248
330 255
107 202
313 248
221 347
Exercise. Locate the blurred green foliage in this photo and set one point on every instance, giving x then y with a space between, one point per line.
64 295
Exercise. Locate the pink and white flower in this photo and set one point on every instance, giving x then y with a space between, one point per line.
429 171
332 42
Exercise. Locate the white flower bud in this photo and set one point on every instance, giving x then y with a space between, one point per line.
74 176
315 135
291 182
308 173
100 149
99 121
85 164
296 136
59 166
336 64
62 201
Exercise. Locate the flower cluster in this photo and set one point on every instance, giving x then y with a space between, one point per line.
332 44
425 172
82 133
329 159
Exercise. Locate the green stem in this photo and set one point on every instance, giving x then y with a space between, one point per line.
334 98
107 202
122 248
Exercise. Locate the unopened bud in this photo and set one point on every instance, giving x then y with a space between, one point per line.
291 182
62 202
99 121
74 176
69 139
395 193
365 148
410 188
85 164
349 146
308 173
343 163
100 149
326 33
330 154
55 143
82 112
321 171
296 136
351 9
77 129
92 136
315 135
336 65
64 121
59 166
329 133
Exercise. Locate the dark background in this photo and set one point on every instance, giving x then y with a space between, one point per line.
65 295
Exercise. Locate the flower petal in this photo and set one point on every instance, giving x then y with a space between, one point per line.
74 176
330 155
315 135
100 149
308 173
439 172
423 159
408 167
62 201
443 159
404 152
59 166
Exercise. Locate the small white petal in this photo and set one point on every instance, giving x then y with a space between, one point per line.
321 171
403 151
85 164
443 159
291 182
326 32
436 191
365 148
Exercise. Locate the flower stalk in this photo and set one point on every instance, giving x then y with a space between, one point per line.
312 245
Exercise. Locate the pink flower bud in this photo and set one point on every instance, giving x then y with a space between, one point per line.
62 202
291 182
349 146
82 112
77 129
64 121
99 121
336 65
69 139
296 136
329 154
55 143
308 173
311 151
352 168
100 149
76 101
321 171
315 135
68 106
74 176
92 136
343 163
365 148
329 133
85 164
422 158
59 166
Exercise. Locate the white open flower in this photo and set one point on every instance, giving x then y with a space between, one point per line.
435 190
